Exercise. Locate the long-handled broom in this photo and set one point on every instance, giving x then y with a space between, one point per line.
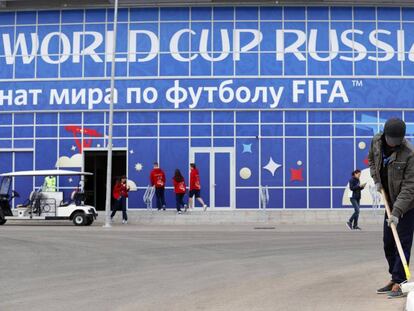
405 287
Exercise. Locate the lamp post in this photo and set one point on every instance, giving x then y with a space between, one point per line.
110 127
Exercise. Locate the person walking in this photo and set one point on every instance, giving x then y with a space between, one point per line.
355 187
391 162
195 187
120 194
180 190
158 181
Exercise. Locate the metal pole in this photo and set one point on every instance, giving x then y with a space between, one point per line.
110 128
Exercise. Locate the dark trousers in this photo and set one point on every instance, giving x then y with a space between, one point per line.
160 196
120 204
354 218
405 230
179 200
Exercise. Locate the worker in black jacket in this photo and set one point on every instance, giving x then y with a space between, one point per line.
391 161
356 187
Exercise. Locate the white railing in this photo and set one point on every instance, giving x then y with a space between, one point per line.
148 196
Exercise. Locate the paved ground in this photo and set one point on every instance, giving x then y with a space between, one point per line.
191 268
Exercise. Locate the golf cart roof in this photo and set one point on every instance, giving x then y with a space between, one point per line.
45 173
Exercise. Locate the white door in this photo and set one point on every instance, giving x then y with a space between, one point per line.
216 168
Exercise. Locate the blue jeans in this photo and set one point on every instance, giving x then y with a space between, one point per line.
354 218
160 196
120 204
179 200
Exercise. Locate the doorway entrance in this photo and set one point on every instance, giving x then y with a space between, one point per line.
95 186
216 168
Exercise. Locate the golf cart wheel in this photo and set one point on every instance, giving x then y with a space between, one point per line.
79 219
2 218
89 221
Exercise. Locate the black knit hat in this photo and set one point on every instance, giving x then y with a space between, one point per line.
394 131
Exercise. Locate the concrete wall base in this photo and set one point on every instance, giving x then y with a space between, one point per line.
268 217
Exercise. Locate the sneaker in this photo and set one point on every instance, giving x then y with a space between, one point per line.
185 208
349 225
124 222
396 292
179 212
163 207
357 228
204 207
384 290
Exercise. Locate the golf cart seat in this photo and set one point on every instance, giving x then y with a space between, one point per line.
76 197
67 203
29 201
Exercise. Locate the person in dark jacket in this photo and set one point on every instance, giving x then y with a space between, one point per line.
356 187
391 161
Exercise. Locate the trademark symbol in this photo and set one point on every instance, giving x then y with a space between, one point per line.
357 83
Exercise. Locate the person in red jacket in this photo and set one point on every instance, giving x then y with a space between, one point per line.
158 181
180 190
120 194
195 187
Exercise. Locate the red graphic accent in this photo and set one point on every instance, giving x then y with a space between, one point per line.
366 162
296 174
77 130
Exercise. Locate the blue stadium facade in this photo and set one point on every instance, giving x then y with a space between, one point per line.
283 97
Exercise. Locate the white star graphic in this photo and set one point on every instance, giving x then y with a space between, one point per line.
98 145
138 167
272 166
73 148
70 180
131 151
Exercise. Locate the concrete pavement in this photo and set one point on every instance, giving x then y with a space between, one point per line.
135 267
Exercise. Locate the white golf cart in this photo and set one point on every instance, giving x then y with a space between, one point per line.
45 205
